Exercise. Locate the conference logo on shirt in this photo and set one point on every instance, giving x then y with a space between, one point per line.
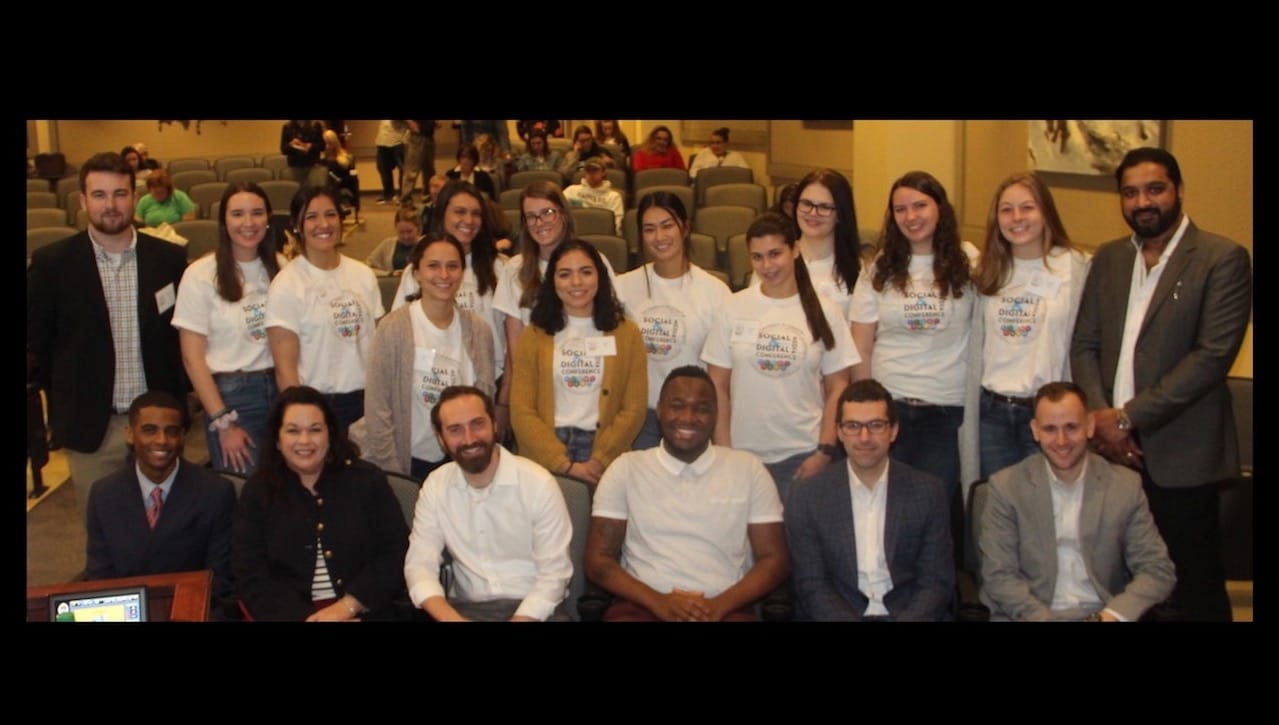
254 320
348 315
445 371
664 329
1018 317
778 350
575 371
924 311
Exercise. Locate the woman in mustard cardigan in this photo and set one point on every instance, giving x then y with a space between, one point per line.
580 385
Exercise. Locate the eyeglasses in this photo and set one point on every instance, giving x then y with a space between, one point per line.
808 207
855 427
546 215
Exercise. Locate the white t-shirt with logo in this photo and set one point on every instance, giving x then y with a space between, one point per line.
674 316
333 314
468 298
578 375
236 331
921 344
438 362
822 274
507 298
777 369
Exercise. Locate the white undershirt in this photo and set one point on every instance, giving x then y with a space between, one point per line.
1139 293
869 509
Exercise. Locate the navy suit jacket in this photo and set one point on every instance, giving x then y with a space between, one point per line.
917 545
69 331
192 533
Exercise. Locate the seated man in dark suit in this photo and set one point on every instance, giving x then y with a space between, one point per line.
1067 535
160 513
870 539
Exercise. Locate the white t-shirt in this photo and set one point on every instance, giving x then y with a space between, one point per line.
507 298
776 387
674 315
1028 326
236 331
822 273
468 298
438 362
921 344
578 376
333 313
686 523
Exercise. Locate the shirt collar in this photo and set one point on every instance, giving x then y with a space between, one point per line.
1172 243
146 485
99 250
676 467
1070 486
853 480
505 475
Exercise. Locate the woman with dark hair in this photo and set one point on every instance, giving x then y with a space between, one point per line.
418 351
577 400
467 169
1029 284
780 356
673 301
609 131
584 147
539 156
321 309
912 311
318 534
717 153
133 158
163 204
658 152
219 313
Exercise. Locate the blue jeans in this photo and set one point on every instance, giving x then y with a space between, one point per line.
349 407
251 396
783 472
650 435
928 439
1005 434
420 469
580 442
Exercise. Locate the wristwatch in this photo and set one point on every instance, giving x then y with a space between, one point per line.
1123 422
831 450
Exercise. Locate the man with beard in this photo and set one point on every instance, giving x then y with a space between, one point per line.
686 531
1066 535
501 517
99 308
1161 320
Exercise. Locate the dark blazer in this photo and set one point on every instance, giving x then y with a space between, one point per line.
1189 339
273 538
917 545
1126 558
69 332
192 533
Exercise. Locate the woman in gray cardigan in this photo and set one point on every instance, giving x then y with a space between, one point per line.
418 350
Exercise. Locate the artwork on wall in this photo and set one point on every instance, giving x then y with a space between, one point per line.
1088 147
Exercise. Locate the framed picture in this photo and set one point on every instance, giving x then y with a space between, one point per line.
1088 147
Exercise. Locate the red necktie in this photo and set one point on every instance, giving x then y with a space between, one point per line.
157 503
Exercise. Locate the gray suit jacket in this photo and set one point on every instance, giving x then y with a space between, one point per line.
1189 339
917 545
1127 561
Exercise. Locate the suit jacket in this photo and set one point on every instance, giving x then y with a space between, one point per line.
1126 558
69 331
917 545
1189 338
193 531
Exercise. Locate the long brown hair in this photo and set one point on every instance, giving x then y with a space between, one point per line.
529 276
996 266
771 223
226 275
950 264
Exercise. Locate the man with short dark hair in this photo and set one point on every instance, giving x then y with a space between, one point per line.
871 539
686 531
1162 317
160 513
99 308
1065 534
501 517
595 191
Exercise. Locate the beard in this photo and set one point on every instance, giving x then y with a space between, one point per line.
473 458
110 227
1151 228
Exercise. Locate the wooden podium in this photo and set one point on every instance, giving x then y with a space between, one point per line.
178 597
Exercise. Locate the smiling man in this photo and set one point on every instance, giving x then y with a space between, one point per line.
160 513
1066 535
686 531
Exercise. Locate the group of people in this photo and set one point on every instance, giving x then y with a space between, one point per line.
694 413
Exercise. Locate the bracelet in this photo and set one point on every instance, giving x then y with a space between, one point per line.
223 420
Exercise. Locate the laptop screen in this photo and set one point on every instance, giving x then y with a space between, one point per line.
124 604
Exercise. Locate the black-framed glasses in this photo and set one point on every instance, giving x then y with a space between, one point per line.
808 207
546 215
855 427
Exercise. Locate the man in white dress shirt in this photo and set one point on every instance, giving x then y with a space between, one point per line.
501 517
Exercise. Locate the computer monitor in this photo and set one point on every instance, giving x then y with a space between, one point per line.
121 604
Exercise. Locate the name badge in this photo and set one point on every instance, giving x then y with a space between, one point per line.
165 298
745 331
423 358
602 346
1044 285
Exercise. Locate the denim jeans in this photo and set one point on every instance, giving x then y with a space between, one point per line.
928 439
251 396
783 472
1005 434
349 407
650 435
580 442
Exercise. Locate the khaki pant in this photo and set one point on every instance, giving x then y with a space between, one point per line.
107 459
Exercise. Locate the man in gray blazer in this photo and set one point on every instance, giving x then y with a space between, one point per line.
1161 320
1065 534
870 540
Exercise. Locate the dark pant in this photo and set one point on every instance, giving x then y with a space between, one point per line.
650 435
390 158
928 439
579 442
349 407
420 469
251 395
1187 520
1005 434
624 610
